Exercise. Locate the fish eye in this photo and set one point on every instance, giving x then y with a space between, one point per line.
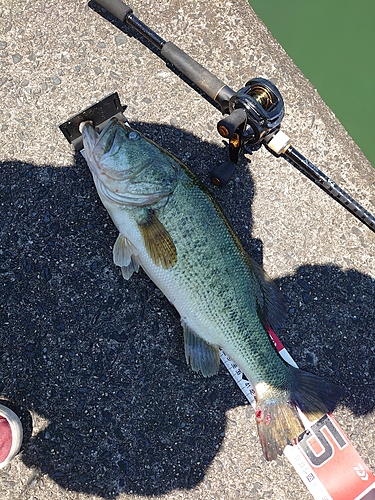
134 136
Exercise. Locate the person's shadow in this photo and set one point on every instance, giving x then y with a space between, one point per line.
102 360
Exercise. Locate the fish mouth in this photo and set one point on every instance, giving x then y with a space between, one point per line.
107 141
125 185
109 132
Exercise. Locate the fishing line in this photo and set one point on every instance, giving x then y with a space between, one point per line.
252 116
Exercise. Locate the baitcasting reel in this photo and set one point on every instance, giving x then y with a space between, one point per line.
254 114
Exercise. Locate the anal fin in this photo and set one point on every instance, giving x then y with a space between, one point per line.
199 355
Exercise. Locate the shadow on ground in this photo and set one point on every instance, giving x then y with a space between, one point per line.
102 359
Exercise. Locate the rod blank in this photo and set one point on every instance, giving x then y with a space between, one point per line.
324 182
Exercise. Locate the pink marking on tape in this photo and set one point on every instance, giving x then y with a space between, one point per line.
279 346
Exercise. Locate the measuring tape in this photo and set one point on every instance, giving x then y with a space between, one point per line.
323 456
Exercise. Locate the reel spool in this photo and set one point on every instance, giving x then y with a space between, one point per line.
256 112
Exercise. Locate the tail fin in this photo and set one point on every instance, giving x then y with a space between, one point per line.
276 415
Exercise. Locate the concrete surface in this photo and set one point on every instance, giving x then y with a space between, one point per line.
95 365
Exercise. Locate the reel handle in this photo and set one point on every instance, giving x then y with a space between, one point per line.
228 125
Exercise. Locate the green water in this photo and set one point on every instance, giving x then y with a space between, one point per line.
333 44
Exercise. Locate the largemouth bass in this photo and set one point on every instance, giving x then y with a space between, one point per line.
172 227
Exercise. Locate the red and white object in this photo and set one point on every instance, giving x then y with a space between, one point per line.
323 456
11 434
329 465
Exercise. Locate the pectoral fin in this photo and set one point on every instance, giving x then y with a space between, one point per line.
200 355
124 255
158 242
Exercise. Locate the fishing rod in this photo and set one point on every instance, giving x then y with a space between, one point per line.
252 116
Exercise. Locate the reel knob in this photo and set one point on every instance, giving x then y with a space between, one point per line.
222 173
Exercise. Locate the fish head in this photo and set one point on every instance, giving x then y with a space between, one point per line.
128 168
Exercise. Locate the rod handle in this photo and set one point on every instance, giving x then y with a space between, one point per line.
117 8
204 79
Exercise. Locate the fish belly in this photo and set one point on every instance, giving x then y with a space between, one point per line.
212 285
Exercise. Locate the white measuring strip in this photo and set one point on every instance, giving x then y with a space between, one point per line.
242 382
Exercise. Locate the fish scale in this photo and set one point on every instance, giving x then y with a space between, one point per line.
172 227
225 302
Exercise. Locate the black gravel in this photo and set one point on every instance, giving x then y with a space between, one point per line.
102 359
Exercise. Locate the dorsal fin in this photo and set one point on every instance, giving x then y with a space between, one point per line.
271 300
